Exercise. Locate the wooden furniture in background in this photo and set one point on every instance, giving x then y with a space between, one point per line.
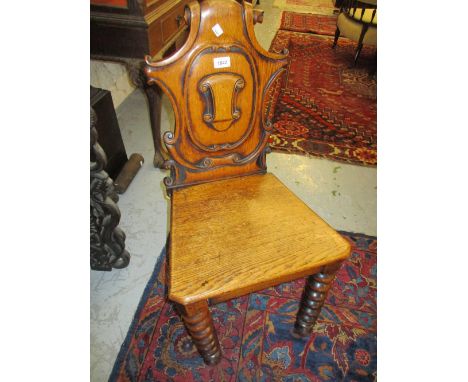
107 241
107 127
337 3
357 21
234 228
134 28
124 31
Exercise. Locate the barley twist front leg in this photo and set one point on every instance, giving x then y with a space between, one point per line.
313 297
199 324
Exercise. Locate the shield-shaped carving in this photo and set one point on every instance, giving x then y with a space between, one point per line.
219 93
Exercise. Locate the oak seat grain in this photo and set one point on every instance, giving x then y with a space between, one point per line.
232 236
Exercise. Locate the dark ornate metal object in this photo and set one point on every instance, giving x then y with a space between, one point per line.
107 241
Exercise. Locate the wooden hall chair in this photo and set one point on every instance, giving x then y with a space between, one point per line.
234 228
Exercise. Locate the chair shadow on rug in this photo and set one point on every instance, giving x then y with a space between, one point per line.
233 226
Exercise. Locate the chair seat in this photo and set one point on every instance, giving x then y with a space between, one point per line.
235 236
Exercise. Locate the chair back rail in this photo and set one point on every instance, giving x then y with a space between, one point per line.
217 84
350 7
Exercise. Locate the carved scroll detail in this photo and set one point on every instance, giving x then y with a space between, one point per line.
220 131
107 241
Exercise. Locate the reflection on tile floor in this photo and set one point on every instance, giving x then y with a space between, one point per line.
344 195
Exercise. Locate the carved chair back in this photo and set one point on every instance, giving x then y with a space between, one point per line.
217 84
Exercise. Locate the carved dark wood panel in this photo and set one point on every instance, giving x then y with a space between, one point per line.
107 126
213 83
107 241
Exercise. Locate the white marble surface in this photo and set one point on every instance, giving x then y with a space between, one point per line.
344 195
111 76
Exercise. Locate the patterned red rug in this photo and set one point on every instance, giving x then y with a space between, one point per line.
255 332
324 106
308 23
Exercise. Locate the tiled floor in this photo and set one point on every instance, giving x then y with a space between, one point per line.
344 195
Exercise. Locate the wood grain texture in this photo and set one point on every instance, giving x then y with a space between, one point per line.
232 237
220 130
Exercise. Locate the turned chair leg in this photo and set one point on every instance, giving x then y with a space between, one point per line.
197 319
358 52
313 297
337 35
365 27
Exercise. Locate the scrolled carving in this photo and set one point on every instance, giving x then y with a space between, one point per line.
168 181
217 86
205 90
204 87
205 163
236 158
107 241
169 138
171 166
238 86
240 83
211 162
268 125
